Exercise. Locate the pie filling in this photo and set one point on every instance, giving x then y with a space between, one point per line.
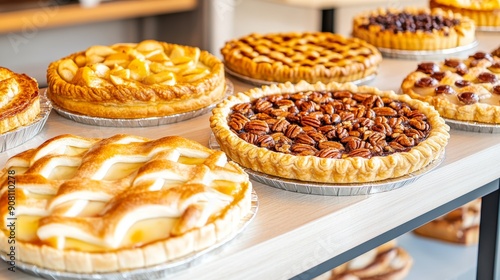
124 192
326 124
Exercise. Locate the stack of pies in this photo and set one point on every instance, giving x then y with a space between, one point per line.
386 262
148 79
19 100
337 133
460 89
458 226
312 57
416 29
89 205
485 13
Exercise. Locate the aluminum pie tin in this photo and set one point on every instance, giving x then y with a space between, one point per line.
258 82
162 271
473 126
333 189
140 122
428 55
20 135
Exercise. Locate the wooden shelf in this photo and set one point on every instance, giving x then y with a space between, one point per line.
54 16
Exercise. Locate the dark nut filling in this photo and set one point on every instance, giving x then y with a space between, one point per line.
468 97
330 124
459 66
462 83
438 75
426 82
496 89
444 89
486 77
428 67
404 21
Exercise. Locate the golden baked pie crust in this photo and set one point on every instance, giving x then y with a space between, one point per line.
460 35
316 169
313 57
138 99
19 100
186 237
483 14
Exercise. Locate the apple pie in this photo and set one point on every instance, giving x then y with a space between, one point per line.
88 205
460 89
312 57
485 13
147 79
337 133
19 100
416 29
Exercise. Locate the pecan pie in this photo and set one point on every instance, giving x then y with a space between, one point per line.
388 261
89 205
147 79
19 100
313 57
336 133
458 226
461 89
482 12
415 29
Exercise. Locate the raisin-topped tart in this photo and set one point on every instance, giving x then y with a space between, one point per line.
485 13
337 133
296 56
90 205
139 80
19 100
416 29
460 89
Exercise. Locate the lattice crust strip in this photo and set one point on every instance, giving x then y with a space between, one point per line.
122 193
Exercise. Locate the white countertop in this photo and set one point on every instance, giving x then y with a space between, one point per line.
293 232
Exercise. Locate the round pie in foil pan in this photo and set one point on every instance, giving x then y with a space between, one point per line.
20 135
161 271
429 55
473 126
141 122
333 189
257 82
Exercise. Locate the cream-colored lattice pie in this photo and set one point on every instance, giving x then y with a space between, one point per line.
97 205
136 80
19 100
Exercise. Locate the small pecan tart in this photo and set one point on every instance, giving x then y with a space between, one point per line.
337 133
414 29
460 89
309 56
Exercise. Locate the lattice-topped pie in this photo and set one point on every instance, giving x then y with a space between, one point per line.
461 89
19 100
90 205
414 28
482 12
336 133
313 57
147 79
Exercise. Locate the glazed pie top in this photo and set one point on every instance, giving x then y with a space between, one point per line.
336 133
94 205
147 79
313 57
19 100
461 89
414 28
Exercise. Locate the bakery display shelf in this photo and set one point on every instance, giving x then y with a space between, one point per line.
301 236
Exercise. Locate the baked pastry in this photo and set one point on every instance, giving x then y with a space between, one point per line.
460 89
386 262
416 29
485 13
147 79
337 133
458 226
310 56
88 205
19 100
